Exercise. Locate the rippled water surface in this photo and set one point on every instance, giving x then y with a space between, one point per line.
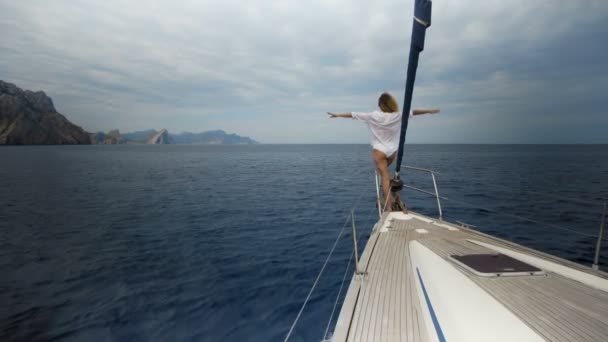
222 243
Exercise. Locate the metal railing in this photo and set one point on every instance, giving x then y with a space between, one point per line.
436 194
438 198
378 201
600 237
355 249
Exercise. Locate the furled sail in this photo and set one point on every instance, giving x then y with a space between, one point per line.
422 20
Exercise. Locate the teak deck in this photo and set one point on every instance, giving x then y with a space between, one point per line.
384 304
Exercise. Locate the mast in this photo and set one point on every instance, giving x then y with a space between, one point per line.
422 20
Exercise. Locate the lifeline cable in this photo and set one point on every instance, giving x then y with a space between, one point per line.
314 285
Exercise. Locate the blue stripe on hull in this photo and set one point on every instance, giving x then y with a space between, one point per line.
433 315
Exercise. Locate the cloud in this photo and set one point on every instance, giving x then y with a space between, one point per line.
515 71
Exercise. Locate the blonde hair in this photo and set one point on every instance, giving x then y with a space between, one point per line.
387 103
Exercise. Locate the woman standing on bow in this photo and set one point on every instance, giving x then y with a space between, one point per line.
384 126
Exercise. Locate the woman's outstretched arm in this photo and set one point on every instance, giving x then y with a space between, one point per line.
339 115
414 112
425 111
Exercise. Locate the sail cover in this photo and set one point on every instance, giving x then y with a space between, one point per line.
422 20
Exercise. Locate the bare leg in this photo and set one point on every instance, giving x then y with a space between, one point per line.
391 158
382 163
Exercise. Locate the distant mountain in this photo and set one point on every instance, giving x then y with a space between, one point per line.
217 137
30 118
161 138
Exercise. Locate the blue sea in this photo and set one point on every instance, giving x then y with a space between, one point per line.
222 243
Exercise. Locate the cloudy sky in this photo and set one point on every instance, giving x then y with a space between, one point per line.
514 71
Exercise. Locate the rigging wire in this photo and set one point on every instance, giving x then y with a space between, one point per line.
547 194
560 197
331 316
314 285
520 217
475 206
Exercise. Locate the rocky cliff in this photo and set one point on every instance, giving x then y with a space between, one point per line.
30 118
160 138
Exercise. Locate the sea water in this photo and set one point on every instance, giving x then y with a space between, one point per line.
222 243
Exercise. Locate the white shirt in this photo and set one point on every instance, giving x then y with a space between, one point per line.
384 129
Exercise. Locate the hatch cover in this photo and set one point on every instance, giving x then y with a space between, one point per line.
495 265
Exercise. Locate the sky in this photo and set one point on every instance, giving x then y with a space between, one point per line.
500 71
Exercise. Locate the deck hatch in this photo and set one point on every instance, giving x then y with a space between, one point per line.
494 265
